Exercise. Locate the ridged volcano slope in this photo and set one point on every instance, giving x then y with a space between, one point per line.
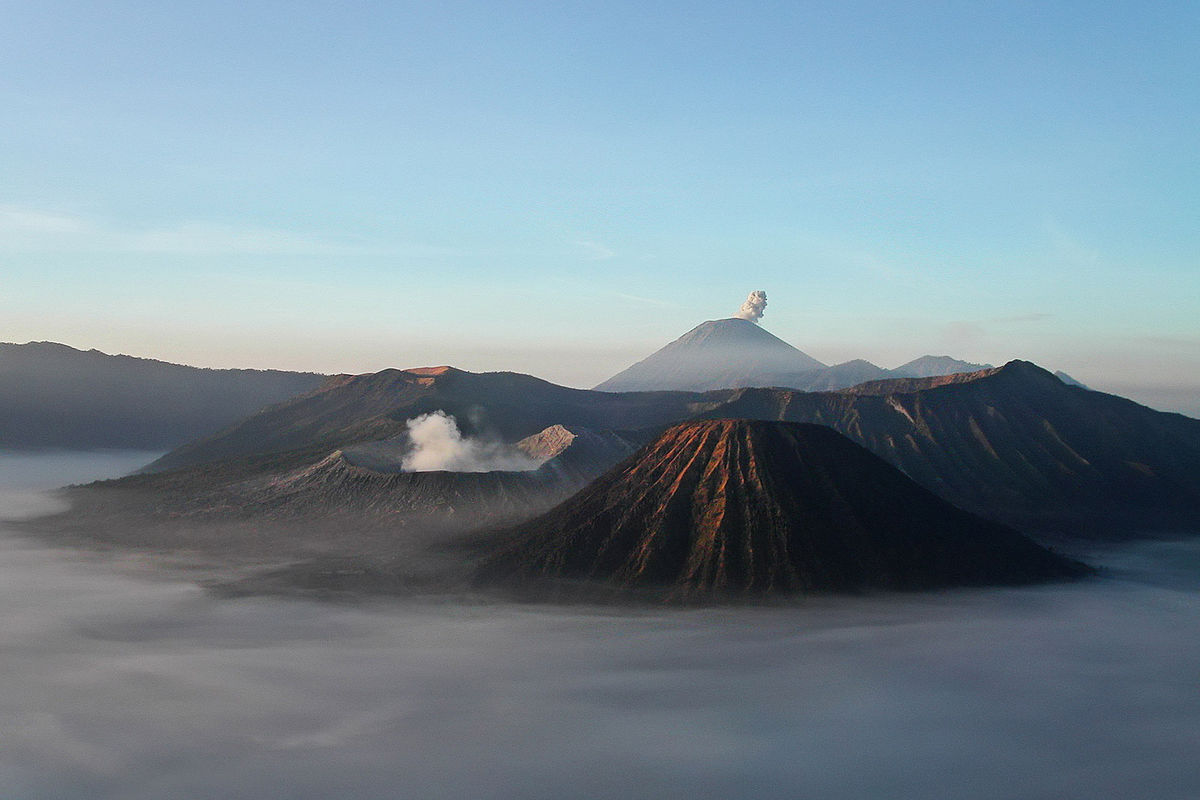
1016 444
751 507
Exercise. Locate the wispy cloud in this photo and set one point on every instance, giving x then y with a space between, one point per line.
594 290
650 301
1036 316
962 332
969 331
1067 248
35 230
17 221
594 250
847 254
1189 343
338 733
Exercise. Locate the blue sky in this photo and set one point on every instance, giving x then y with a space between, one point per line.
560 188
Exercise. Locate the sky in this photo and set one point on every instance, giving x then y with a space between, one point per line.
561 188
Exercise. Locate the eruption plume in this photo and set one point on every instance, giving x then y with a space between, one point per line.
754 306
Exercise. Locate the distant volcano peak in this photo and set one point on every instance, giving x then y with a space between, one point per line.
719 353
736 353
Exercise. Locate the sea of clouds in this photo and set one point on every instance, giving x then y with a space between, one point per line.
127 683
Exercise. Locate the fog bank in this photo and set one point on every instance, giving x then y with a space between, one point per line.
27 479
121 687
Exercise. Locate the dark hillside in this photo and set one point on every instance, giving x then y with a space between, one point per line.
53 396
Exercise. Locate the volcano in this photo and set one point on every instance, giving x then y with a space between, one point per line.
736 353
742 507
718 354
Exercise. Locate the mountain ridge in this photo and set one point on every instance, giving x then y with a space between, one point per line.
353 409
56 396
1017 444
929 366
1008 442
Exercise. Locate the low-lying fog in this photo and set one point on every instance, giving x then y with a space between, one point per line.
120 686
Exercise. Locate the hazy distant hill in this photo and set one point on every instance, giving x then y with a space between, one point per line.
54 396
839 376
753 507
736 353
1067 379
929 366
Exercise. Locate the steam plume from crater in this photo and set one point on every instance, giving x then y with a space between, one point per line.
436 444
754 307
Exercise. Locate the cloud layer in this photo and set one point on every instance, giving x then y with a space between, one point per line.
119 686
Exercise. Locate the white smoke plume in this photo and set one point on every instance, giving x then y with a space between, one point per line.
437 444
754 306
